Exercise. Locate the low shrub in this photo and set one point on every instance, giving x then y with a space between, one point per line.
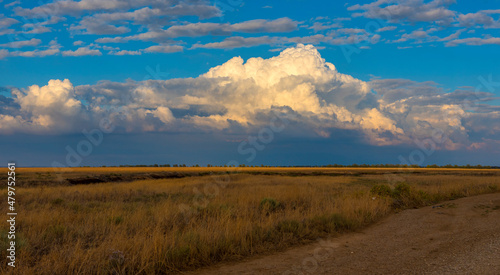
270 205
381 190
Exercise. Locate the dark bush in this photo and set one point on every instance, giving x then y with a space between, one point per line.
381 190
270 205
402 190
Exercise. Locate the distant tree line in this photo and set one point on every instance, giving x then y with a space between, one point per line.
468 166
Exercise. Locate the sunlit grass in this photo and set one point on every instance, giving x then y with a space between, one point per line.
138 227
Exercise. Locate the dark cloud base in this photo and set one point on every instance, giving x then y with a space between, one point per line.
344 147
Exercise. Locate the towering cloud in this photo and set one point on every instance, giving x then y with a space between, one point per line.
239 97
43 109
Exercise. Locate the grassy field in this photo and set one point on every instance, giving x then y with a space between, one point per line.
164 220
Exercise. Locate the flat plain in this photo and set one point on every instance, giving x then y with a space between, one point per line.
160 220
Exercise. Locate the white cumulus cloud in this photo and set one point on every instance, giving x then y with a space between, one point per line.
241 96
48 109
82 52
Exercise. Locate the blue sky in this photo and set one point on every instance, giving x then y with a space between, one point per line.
364 82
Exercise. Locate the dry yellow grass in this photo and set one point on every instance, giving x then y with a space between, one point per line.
167 225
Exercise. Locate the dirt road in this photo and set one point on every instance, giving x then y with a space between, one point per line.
455 237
